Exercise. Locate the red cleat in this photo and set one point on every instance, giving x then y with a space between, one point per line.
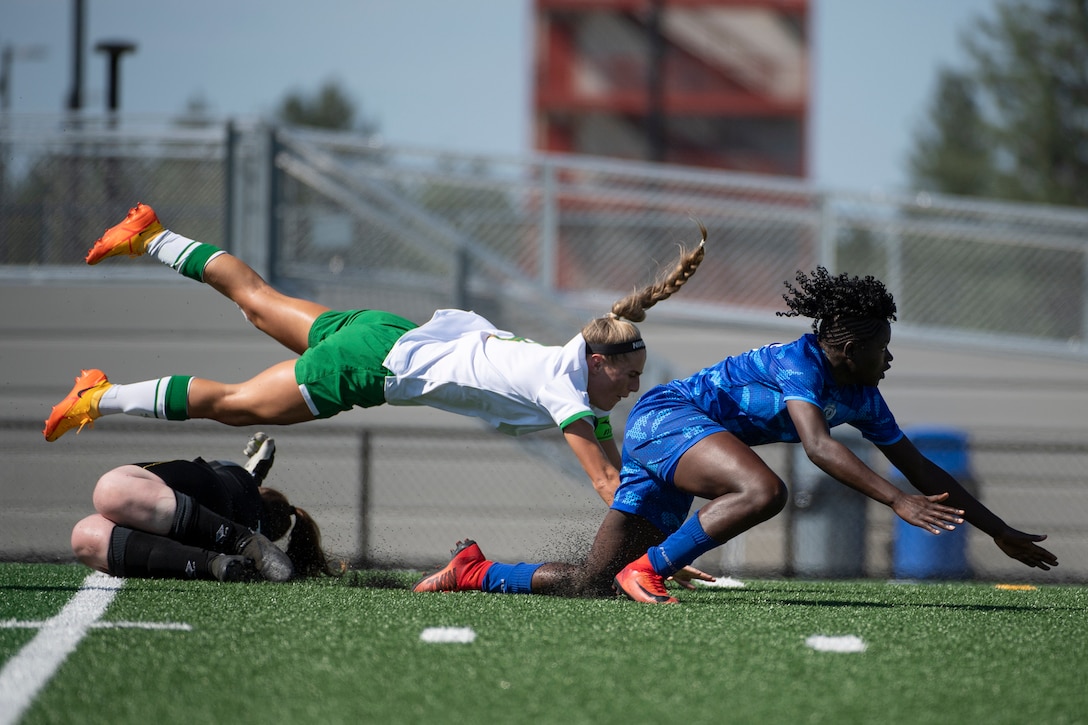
639 581
464 573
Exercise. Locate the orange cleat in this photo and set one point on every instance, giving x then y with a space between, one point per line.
464 573
639 581
129 237
79 407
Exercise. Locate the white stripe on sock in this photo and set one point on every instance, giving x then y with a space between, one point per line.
140 399
172 249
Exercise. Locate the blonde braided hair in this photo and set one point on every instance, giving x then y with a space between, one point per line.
616 326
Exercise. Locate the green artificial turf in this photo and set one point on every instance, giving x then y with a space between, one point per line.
349 650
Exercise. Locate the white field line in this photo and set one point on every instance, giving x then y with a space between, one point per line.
27 672
164 626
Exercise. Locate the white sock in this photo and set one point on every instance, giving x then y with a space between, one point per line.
146 399
171 249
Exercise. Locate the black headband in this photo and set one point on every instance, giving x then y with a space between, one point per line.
839 330
615 348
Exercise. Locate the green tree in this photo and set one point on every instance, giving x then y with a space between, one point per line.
330 107
951 152
1028 80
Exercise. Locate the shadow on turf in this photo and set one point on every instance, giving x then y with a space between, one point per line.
376 580
371 579
39 588
786 601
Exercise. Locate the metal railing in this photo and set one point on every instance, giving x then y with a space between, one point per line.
541 237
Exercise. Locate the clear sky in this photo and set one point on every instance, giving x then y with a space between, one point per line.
456 74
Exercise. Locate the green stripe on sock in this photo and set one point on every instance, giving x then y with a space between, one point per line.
193 265
177 397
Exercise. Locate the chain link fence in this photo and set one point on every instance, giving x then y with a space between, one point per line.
328 210
540 244
588 230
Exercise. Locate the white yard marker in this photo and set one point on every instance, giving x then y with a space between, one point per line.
848 643
25 674
459 635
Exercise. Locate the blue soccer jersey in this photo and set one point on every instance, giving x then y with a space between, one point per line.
745 395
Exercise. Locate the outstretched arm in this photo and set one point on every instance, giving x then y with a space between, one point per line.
839 462
599 459
929 478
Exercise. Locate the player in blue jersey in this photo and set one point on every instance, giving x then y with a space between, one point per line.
694 437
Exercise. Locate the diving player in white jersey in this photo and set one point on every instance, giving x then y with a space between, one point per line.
458 361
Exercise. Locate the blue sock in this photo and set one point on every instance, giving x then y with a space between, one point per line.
510 578
684 546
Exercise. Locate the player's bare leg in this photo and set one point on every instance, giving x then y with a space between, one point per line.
270 397
285 319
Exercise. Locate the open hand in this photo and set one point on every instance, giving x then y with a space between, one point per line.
927 512
1022 547
685 575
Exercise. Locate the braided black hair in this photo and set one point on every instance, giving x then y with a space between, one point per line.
842 307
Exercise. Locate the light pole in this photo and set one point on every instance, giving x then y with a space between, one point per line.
114 49
8 55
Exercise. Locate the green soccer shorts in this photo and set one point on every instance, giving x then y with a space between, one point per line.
342 367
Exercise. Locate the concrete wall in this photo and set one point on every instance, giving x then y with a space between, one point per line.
435 477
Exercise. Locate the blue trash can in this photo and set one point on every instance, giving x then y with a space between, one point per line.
919 554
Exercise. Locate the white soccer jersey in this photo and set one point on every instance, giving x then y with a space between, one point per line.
460 362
